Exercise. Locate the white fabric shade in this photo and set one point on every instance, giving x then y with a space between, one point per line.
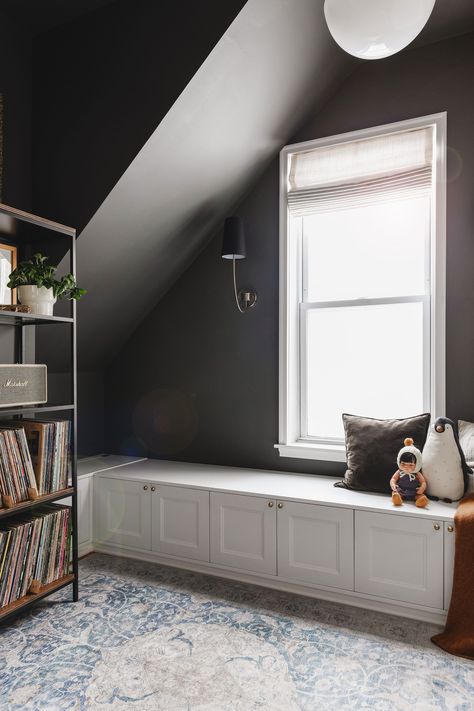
357 172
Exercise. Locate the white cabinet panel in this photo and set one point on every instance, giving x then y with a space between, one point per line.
449 545
399 557
122 512
316 544
180 521
243 532
84 512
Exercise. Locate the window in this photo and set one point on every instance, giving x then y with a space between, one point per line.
362 281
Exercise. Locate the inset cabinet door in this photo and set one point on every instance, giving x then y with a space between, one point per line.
449 541
316 544
243 532
399 557
122 512
180 521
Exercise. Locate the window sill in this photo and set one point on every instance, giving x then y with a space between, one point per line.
306 450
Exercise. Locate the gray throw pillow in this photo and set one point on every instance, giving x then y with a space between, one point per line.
466 438
372 447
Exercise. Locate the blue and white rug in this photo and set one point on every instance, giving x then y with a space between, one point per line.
146 637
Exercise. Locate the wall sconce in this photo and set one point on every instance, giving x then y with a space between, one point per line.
233 247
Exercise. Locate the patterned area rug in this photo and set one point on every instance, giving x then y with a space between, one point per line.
146 637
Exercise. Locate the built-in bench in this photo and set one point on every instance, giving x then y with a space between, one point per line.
288 531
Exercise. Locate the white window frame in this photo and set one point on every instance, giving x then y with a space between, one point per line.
291 444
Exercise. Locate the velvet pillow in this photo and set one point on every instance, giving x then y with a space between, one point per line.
372 447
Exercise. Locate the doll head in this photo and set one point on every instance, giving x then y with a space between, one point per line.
409 457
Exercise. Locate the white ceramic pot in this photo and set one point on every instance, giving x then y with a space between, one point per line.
39 298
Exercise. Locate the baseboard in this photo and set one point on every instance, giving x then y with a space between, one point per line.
85 549
369 602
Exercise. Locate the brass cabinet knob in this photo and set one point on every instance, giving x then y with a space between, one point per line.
270 504
450 529
145 487
280 505
436 526
153 488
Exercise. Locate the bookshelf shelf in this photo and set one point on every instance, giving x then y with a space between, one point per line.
37 409
30 234
27 505
16 606
13 318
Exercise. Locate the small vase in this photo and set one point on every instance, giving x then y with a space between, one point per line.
39 298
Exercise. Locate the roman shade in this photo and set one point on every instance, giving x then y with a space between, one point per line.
355 173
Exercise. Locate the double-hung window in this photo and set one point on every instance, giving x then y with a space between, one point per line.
362 286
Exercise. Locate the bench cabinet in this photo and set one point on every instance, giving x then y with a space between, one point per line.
142 515
315 544
243 532
400 561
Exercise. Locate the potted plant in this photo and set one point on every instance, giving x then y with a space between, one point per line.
38 287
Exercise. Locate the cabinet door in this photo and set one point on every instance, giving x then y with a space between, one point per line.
243 532
122 512
449 541
84 502
180 521
316 544
399 557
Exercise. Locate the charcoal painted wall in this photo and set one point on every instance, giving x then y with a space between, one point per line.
199 382
102 84
15 86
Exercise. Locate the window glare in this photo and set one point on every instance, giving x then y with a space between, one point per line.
364 360
376 250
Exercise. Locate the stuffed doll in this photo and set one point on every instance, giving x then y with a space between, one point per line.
444 463
408 482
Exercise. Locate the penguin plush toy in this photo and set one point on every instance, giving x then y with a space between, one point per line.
444 463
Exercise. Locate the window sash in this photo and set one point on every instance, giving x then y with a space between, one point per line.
304 308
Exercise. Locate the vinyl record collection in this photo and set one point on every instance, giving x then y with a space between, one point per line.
17 478
49 445
34 459
34 551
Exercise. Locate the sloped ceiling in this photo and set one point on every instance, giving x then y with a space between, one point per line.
251 93
275 62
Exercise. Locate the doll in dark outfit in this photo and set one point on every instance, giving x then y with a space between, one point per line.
408 482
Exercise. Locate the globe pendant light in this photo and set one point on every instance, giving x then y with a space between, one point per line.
373 29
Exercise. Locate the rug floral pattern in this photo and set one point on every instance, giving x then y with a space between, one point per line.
148 637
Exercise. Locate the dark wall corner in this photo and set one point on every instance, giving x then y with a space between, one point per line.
16 90
91 413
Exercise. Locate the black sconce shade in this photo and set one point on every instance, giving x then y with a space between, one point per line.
233 244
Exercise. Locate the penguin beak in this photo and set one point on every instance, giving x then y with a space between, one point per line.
439 427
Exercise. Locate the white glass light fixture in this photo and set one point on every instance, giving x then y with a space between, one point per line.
373 29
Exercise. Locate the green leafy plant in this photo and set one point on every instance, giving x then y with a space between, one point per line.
36 272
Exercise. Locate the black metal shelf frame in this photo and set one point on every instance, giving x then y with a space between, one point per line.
20 321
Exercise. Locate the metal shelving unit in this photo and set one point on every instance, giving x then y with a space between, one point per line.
20 322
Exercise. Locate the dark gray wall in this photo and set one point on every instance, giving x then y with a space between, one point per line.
90 411
198 381
102 84
15 85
